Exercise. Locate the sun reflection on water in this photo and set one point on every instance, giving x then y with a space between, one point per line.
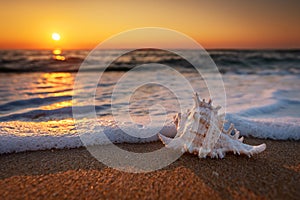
58 84
57 105
57 55
59 78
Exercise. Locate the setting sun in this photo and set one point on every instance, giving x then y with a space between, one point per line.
55 36
214 24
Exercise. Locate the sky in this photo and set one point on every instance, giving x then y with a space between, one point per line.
256 24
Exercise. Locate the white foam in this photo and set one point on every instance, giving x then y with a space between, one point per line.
285 128
17 136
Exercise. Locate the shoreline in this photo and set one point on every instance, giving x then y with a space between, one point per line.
74 173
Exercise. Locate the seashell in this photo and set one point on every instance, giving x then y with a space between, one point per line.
200 131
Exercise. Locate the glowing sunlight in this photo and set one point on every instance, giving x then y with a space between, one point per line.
55 36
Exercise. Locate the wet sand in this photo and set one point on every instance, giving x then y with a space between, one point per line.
75 174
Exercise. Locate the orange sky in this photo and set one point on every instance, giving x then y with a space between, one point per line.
214 24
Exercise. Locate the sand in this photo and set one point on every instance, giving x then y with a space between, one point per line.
75 174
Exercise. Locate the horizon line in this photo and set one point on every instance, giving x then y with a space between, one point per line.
210 49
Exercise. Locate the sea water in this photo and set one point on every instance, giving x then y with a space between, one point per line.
36 89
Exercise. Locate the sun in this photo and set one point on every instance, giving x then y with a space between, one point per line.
55 36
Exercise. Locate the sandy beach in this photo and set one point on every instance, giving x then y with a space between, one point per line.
75 174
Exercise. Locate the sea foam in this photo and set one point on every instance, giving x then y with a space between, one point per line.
17 136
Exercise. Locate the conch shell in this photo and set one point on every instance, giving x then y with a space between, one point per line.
200 131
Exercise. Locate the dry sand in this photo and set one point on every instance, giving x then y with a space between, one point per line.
75 174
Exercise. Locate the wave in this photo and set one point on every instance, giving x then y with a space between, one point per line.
18 136
36 136
261 62
276 128
281 108
59 113
48 129
31 103
279 120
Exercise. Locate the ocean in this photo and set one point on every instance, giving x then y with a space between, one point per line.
36 88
